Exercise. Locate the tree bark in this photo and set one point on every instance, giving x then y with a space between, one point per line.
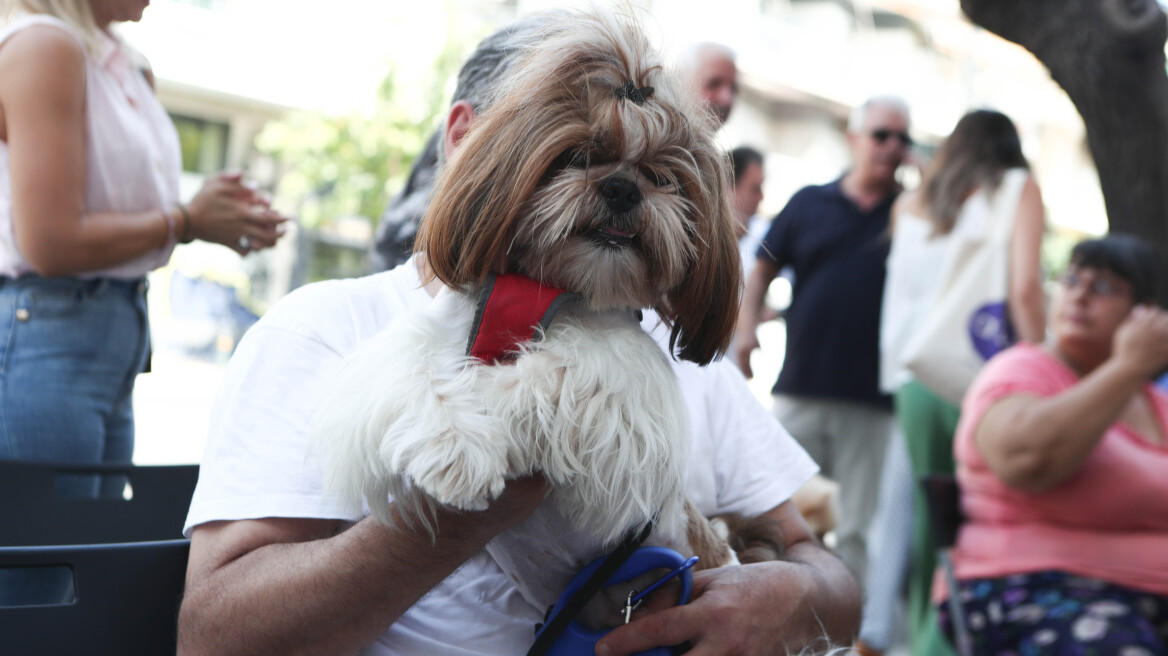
1108 55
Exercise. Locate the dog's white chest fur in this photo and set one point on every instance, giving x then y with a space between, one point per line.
594 406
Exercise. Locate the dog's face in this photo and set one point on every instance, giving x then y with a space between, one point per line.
596 172
611 217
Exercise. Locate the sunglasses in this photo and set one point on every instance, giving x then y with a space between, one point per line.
883 135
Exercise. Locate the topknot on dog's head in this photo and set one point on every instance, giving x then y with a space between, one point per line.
589 115
585 58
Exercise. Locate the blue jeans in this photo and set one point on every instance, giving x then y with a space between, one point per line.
71 351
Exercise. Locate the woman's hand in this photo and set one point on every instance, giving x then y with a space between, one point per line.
225 211
1141 341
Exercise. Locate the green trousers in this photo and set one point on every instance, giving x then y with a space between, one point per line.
928 422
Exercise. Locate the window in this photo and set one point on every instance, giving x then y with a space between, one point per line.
204 144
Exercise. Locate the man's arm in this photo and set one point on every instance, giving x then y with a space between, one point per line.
296 586
750 314
806 599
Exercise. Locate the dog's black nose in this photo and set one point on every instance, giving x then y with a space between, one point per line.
621 194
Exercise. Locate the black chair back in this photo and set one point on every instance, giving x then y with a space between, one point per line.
117 598
943 497
35 512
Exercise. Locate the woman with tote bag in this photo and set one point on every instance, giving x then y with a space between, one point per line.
964 281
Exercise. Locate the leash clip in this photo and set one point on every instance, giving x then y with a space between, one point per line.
635 599
631 604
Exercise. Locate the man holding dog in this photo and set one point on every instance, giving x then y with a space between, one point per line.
276 567
835 238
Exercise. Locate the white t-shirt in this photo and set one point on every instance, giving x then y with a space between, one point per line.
256 462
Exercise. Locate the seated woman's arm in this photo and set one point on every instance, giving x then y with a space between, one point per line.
1034 443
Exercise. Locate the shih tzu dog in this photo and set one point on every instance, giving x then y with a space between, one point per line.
590 189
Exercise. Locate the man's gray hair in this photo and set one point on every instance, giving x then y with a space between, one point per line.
478 79
495 56
692 56
860 113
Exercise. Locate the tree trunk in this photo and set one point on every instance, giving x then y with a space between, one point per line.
1108 55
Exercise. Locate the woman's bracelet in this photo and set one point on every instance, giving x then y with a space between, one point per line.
185 236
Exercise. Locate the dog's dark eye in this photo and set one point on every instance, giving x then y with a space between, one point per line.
656 178
571 158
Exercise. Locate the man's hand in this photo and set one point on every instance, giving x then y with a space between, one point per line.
807 599
519 499
747 609
744 344
751 313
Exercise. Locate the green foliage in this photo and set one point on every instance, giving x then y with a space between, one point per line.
337 166
1056 249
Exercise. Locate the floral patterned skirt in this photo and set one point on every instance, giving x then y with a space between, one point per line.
1048 613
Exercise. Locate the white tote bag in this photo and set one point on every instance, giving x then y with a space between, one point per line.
969 320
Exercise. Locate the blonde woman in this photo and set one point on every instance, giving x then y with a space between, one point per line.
89 204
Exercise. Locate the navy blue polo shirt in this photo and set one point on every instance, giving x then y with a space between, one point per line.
838 253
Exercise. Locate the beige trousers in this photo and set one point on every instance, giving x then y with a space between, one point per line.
848 441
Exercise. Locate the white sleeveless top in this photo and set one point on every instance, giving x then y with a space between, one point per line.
916 264
132 155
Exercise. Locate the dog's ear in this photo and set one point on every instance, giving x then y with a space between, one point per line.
704 307
470 214
480 192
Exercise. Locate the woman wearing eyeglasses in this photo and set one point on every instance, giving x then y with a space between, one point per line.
1063 464
978 175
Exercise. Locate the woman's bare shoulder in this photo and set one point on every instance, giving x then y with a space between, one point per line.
47 42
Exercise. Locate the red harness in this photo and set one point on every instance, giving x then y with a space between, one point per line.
511 308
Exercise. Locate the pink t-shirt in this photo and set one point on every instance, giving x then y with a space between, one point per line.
132 158
1107 521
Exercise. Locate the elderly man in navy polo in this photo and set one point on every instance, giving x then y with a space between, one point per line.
834 237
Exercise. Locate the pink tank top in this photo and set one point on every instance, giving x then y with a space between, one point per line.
1108 521
133 160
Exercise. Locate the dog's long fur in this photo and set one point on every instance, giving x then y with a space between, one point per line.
592 405
502 205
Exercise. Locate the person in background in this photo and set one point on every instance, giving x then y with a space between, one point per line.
393 241
979 162
749 176
90 205
1061 453
748 180
713 69
834 237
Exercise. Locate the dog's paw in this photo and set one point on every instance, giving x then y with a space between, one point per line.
462 472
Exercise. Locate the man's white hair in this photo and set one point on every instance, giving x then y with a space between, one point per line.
694 54
860 114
